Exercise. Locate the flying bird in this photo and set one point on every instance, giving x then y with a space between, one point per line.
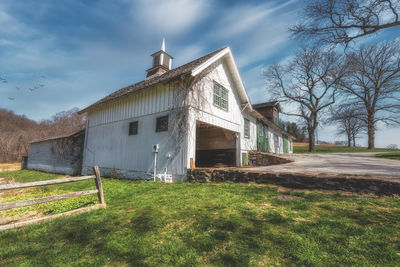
16 87
43 77
11 98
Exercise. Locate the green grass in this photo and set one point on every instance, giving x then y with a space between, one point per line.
226 224
339 149
392 155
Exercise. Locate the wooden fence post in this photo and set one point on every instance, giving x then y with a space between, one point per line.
99 186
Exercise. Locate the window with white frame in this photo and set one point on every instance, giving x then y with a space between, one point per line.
246 128
220 96
260 129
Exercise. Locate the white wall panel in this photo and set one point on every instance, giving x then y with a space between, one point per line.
113 149
145 102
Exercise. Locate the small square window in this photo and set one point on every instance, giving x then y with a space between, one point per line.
133 128
162 124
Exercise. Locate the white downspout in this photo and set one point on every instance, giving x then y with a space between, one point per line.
156 147
155 166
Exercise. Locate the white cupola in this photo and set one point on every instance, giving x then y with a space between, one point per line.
162 62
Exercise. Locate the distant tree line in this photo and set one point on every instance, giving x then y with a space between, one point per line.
357 89
297 131
17 131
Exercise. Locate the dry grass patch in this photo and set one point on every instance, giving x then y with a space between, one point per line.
6 167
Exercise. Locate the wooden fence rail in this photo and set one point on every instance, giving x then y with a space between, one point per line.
24 203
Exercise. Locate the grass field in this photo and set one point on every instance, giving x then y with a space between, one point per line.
392 155
339 149
182 224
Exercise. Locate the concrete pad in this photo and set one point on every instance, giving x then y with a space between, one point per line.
338 163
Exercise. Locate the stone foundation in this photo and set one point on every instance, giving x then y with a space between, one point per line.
297 181
256 158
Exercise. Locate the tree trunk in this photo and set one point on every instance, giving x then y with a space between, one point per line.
349 139
371 132
311 141
354 140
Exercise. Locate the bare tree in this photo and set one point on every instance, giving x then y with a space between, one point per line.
372 85
309 82
342 21
62 123
346 118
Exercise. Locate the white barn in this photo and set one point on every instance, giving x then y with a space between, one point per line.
198 114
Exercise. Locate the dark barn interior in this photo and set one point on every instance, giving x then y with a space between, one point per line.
215 146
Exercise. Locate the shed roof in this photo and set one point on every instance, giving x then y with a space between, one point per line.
57 137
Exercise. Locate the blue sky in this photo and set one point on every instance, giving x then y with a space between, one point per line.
83 50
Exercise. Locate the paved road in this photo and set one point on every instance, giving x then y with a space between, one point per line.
349 163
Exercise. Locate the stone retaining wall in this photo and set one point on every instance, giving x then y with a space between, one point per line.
297 181
256 158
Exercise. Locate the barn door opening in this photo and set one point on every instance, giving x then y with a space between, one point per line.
215 146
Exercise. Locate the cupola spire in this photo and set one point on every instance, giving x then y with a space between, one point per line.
163 44
162 62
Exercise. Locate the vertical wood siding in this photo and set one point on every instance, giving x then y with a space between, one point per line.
117 153
142 103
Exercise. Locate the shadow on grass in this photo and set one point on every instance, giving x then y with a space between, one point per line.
150 224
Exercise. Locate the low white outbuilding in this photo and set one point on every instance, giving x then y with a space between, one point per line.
61 154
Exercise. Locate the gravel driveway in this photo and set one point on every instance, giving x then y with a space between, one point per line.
341 163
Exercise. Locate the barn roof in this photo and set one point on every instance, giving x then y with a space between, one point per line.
186 68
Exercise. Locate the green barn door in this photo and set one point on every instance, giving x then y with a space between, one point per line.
259 138
285 144
244 159
262 138
266 141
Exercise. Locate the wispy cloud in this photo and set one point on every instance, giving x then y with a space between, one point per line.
168 17
89 51
256 31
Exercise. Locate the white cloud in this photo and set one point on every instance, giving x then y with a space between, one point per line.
244 18
168 17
